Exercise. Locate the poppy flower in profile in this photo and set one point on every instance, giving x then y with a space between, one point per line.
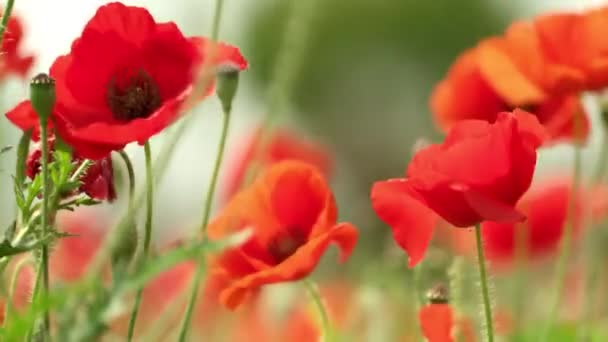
477 174
12 61
546 206
479 85
97 181
125 79
282 145
291 213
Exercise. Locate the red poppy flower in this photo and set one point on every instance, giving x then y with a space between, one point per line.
125 79
292 214
483 82
24 117
97 181
11 59
437 322
546 205
282 145
561 52
477 174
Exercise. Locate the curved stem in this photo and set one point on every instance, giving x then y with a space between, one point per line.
560 272
12 286
147 234
313 291
131 175
200 271
483 278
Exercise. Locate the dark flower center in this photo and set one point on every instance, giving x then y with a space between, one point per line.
139 98
284 245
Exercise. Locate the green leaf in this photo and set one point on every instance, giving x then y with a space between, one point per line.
7 249
9 232
19 194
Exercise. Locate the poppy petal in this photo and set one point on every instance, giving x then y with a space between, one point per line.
411 221
437 321
296 266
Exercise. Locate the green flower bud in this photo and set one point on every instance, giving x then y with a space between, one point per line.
123 253
227 84
42 95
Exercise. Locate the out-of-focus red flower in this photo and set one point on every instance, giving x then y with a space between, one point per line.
291 213
297 325
160 294
71 255
11 59
479 85
125 79
97 182
282 145
437 322
561 52
477 174
546 206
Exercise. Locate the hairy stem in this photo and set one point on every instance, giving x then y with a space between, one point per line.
200 271
313 291
147 234
564 254
483 279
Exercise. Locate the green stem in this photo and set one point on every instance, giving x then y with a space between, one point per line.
592 248
562 261
487 305
131 175
5 17
43 269
147 234
22 151
313 291
602 163
200 271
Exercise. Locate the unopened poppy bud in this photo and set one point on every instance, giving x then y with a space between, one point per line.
438 294
42 95
227 84
125 250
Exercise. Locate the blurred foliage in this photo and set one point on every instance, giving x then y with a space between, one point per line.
371 65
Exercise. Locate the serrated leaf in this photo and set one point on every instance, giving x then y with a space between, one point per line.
6 249
9 232
19 196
